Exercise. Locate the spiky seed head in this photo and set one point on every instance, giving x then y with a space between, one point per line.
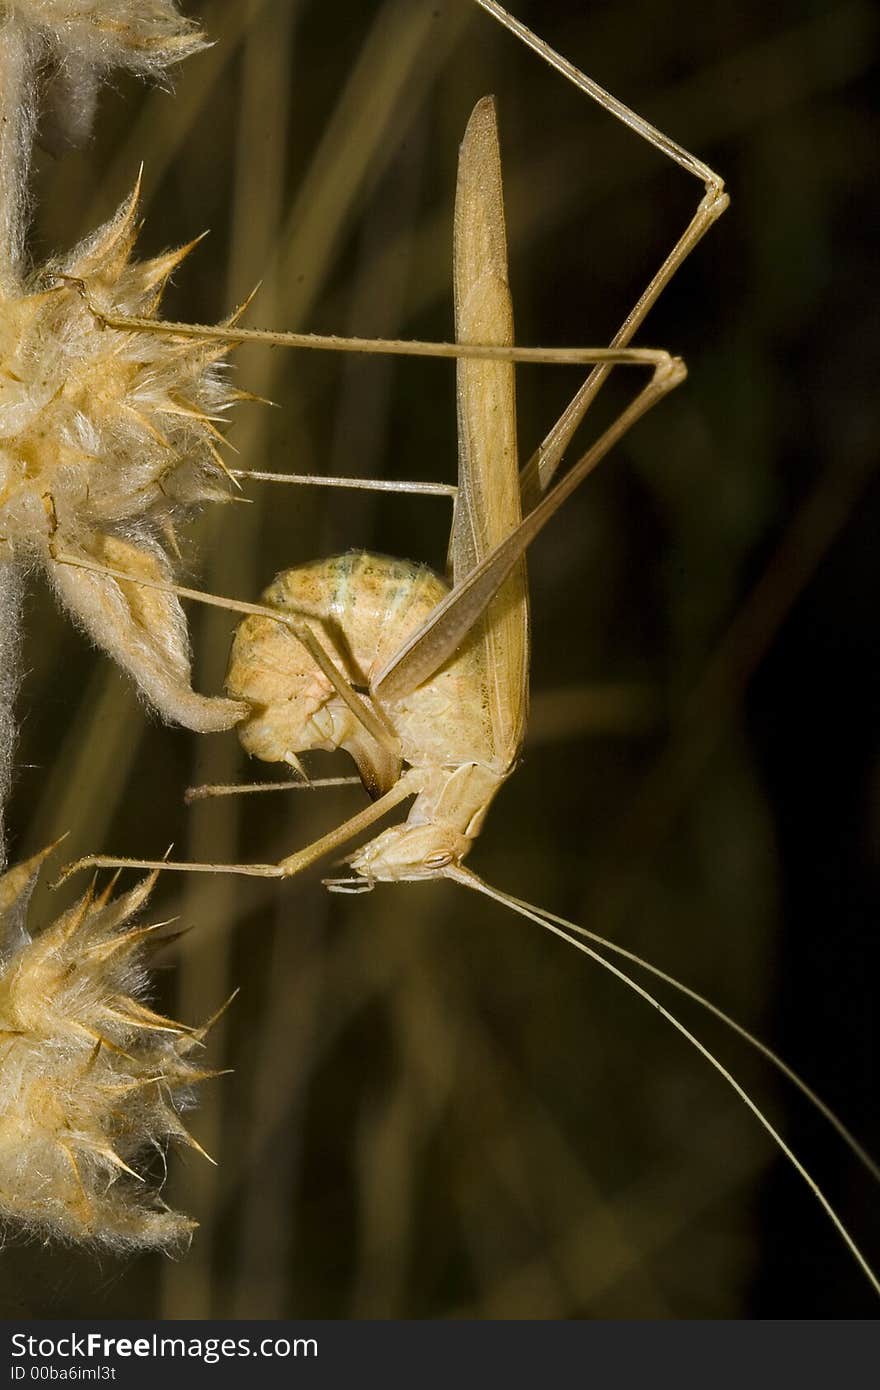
106 439
91 1079
102 428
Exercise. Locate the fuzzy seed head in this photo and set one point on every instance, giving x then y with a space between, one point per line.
72 46
92 1080
142 35
101 428
107 437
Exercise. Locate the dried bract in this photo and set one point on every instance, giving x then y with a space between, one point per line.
92 1079
106 439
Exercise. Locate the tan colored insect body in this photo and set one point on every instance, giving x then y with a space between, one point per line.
370 604
459 731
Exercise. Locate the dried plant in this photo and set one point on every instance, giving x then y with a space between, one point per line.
64 49
143 35
92 1078
105 437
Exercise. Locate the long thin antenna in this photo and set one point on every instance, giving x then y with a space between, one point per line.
781 1065
470 880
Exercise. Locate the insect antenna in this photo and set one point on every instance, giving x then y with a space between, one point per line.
558 926
858 1150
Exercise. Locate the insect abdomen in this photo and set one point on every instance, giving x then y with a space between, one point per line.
362 607
367 604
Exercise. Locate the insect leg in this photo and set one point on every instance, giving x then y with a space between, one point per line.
362 484
415 487
105 861
408 785
244 788
450 622
391 347
538 472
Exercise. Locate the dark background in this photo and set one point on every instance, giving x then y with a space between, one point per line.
436 1109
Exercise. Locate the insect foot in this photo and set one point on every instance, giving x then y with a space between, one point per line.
92 1077
669 374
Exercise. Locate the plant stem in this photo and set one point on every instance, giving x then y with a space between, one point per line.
17 125
10 641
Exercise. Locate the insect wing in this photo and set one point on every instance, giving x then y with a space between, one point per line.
488 505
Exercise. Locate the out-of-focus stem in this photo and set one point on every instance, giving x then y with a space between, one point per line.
17 120
10 632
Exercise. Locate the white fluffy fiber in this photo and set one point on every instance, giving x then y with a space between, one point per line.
18 107
86 39
92 1080
144 36
69 47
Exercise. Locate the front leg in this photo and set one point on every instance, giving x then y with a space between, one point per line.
408 785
